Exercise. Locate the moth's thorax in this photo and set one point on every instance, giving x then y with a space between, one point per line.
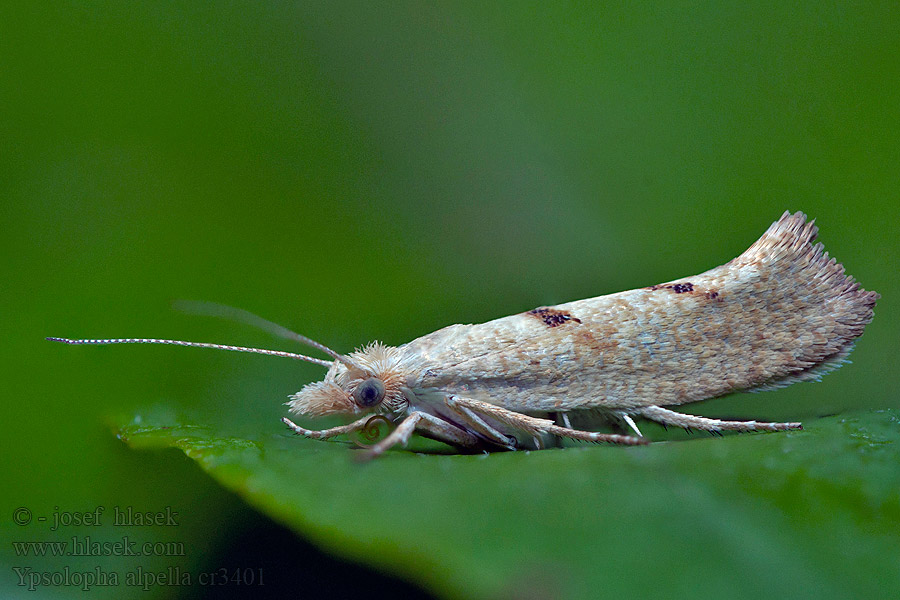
335 393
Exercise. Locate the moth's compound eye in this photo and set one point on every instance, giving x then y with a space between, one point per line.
369 393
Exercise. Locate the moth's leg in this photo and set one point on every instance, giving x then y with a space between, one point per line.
441 430
670 417
561 418
400 435
630 422
327 433
480 426
535 425
448 432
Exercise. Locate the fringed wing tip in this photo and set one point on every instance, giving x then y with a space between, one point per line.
790 239
793 229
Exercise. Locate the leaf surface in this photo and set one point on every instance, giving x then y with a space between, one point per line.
807 514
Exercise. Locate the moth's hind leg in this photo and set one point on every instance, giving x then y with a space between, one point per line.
676 419
535 426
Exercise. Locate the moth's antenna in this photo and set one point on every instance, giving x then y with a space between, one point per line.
318 361
214 309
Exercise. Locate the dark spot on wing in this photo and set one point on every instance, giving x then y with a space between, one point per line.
678 288
553 317
713 295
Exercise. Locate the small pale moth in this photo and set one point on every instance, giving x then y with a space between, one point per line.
779 313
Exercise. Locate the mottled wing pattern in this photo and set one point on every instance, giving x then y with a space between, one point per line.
780 312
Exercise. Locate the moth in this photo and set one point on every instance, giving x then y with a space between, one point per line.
779 313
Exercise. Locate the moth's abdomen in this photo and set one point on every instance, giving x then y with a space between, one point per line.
782 311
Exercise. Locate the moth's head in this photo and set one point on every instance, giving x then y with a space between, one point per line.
368 380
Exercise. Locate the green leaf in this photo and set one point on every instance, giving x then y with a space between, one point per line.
807 514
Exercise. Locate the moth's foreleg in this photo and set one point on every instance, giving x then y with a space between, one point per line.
400 435
439 429
327 433
676 419
477 424
536 426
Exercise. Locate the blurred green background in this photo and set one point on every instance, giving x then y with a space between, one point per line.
363 171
